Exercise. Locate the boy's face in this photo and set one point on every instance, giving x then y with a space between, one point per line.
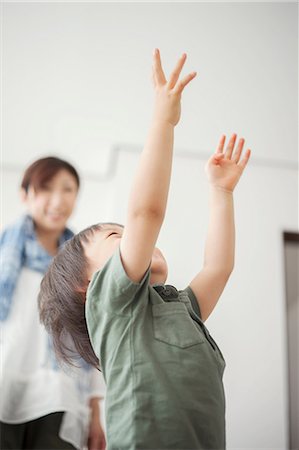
105 242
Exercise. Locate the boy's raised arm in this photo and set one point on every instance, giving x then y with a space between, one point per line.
149 192
224 170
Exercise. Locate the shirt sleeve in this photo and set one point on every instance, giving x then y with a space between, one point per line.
112 290
194 301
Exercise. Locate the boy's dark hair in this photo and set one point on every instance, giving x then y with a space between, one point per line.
62 298
43 170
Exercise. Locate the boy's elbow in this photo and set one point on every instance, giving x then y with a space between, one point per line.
222 273
228 271
148 213
231 269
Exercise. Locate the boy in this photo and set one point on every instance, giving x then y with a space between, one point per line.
162 368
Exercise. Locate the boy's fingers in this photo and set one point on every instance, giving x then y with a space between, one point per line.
230 146
245 159
176 72
153 77
238 151
157 67
183 83
221 144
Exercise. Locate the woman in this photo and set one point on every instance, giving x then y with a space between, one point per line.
42 406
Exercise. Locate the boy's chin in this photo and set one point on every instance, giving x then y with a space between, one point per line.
159 270
159 276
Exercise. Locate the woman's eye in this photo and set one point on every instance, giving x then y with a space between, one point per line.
112 233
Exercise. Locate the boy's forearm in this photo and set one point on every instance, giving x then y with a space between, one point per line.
151 183
220 243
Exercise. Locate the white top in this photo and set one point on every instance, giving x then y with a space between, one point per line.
32 384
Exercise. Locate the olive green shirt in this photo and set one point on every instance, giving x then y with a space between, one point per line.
163 371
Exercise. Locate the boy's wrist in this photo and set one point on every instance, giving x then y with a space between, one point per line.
218 188
161 122
162 125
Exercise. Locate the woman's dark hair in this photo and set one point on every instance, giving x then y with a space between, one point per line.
43 170
62 298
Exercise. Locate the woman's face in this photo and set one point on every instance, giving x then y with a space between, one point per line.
51 205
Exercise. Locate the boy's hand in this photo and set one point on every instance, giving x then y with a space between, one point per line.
168 93
225 169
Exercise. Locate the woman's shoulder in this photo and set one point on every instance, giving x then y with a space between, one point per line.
13 229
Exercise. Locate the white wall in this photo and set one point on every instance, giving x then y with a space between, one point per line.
76 82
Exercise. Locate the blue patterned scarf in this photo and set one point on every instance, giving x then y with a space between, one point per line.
19 248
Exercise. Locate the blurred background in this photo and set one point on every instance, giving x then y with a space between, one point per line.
76 83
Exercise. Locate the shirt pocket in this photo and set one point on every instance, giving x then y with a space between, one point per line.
173 325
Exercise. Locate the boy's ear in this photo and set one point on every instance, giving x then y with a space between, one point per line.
83 289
